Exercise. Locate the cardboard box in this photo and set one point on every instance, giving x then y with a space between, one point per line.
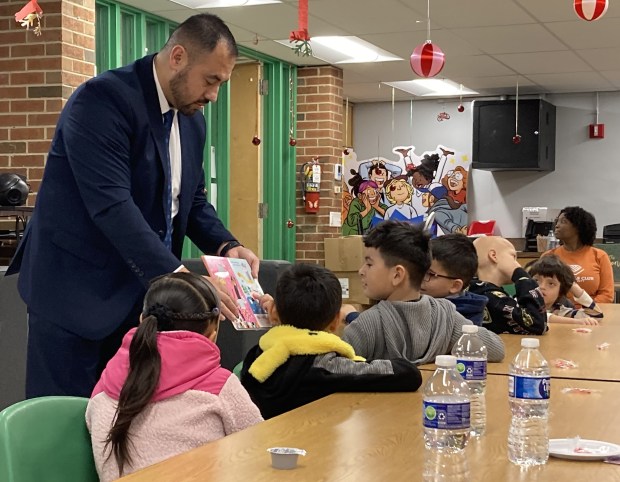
351 287
344 253
537 214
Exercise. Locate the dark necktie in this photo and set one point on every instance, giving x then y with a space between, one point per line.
168 118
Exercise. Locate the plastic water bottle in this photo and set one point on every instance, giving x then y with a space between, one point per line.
528 395
471 363
552 241
446 423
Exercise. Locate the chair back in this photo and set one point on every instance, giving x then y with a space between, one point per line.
482 228
46 439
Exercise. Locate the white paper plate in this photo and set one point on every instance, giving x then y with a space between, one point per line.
564 448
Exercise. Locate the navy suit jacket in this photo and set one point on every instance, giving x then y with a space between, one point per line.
96 235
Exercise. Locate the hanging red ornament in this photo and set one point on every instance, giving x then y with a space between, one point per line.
427 59
516 139
30 14
292 142
256 140
590 10
461 108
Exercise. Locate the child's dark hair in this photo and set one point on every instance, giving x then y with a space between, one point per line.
457 255
550 266
584 223
403 243
308 296
177 301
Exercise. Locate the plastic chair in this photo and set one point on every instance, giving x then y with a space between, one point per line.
481 228
237 369
46 439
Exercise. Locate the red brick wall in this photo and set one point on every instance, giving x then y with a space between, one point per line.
319 134
37 76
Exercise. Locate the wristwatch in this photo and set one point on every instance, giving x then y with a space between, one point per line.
228 246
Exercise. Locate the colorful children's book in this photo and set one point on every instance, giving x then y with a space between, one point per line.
236 275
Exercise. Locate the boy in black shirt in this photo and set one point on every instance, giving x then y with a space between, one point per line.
497 266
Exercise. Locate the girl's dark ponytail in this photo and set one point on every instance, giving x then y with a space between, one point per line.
138 390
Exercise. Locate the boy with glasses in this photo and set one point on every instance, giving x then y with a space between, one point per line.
406 323
453 266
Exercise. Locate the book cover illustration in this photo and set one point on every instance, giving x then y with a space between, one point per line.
236 275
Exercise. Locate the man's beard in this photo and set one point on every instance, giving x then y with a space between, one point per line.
178 85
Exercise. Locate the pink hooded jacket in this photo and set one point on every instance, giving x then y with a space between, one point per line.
196 401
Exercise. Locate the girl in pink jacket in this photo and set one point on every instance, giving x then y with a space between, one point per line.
164 392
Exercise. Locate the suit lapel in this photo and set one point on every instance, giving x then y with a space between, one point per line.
144 69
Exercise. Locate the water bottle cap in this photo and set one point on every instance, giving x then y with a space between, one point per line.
530 342
470 329
445 361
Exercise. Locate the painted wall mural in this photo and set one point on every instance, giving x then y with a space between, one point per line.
430 188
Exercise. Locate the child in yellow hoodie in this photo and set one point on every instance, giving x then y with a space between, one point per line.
302 359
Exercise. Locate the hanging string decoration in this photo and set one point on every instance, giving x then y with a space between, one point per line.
590 10
516 139
427 59
300 38
30 16
291 108
461 107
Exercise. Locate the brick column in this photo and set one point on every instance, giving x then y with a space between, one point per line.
319 134
37 76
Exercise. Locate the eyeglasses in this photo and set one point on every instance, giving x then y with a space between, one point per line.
456 175
431 274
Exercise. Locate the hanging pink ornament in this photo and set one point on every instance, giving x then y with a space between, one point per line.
516 139
590 10
256 141
427 59
461 108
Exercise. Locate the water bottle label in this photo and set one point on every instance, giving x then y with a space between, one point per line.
446 415
472 369
533 388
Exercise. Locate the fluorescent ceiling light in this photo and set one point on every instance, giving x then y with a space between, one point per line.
345 50
432 87
197 4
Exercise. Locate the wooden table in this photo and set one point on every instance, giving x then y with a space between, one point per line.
379 437
561 342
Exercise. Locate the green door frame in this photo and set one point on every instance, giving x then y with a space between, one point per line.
279 171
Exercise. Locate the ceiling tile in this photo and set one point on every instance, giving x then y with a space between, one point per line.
543 62
511 39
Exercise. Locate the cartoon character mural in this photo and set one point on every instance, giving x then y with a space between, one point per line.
430 187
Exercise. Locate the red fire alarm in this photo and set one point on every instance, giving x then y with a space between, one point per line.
597 131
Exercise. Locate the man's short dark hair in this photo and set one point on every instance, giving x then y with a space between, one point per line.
308 296
457 255
201 33
550 266
403 243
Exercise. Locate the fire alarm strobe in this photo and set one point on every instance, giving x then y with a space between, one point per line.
597 131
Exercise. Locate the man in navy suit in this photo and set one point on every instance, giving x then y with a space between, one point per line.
123 185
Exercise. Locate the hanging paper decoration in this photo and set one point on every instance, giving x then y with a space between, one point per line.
427 59
590 10
300 37
30 14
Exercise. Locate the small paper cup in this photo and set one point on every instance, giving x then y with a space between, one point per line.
285 458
